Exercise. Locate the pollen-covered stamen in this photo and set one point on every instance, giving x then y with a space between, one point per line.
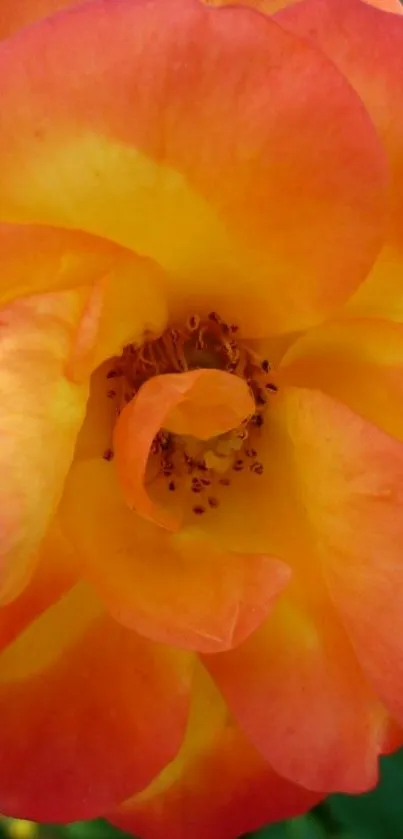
196 464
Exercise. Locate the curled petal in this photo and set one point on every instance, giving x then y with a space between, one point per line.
181 589
89 710
40 414
266 148
200 403
218 785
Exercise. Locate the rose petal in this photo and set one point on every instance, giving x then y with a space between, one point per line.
350 479
218 786
367 46
357 361
181 589
265 149
89 711
38 259
40 414
55 573
296 690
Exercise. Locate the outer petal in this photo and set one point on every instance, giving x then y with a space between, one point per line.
89 710
182 589
357 361
40 414
367 46
296 689
194 155
15 14
217 787
350 477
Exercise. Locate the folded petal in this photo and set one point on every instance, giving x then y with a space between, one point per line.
181 589
15 14
350 479
297 692
37 259
41 411
223 164
373 64
90 711
357 361
201 403
217 787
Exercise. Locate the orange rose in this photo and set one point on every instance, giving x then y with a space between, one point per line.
201 413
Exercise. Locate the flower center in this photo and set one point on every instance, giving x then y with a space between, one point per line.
197 467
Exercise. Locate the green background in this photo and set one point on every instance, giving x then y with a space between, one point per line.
375 815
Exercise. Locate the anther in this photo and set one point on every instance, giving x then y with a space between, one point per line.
111 394
238 465
257 468
171 486
108 454
193 323
265 365
214 317
199 510
213 502
257 420
251 452
114 374
272 387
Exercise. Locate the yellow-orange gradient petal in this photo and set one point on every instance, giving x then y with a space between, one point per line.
89 710
357 361
38 259
200 403
296 689
181 589
222 153
217 787
350 479
373 63
14 14
40 414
